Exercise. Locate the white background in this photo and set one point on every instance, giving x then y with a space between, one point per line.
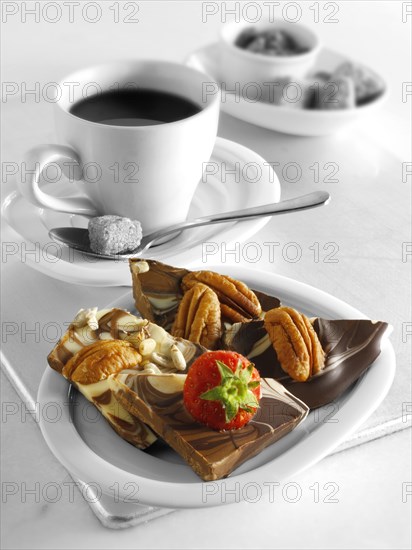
370 512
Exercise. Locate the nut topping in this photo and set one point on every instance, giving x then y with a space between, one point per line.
178 358
237 302
147 346
99 360
86 317
198 316
296 343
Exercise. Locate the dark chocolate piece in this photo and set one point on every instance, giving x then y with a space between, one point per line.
158 401
267 302
351 346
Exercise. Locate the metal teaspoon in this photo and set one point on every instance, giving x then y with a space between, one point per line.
78 238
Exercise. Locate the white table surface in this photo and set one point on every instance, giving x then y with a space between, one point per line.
369 219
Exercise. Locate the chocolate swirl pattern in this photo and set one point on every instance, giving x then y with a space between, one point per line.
157 291
158 401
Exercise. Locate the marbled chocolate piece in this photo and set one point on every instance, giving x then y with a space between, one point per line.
158 401
118 324
157 291
351 346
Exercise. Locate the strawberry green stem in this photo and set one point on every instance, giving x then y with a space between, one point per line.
234 391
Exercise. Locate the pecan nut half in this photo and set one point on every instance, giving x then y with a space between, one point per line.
237 302
198 317
296 343
99 360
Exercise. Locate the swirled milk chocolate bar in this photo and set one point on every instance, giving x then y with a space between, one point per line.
157 400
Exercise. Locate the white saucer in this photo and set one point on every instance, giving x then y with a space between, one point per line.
86 445
300 122
216 193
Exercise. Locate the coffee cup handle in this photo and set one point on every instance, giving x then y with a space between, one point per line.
37 160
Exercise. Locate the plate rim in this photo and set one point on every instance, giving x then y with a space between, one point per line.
359 405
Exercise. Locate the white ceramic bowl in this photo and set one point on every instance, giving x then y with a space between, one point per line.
286 118
240 67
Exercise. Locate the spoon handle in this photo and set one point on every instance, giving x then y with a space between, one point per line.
298 203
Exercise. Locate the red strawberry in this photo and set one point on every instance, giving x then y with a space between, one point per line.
222 390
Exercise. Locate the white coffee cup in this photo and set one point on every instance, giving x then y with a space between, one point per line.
148 173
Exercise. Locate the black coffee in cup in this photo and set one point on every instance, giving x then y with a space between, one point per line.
134 107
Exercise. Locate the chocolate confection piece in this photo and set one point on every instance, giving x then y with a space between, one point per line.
98 344
157 291
271 42
368 85
351 346
158 401
337 94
